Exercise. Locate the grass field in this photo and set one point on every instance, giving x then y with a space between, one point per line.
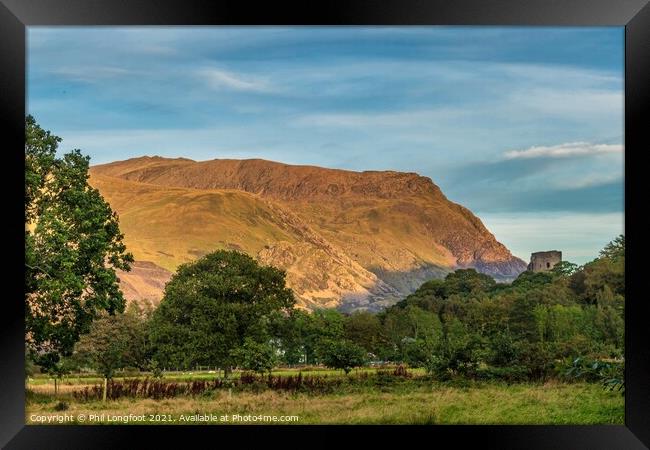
411 401
45 383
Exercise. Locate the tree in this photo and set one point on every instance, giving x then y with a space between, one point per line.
456 352
503 349
467 281
323 325
363 328
259 357
56 367
212 305
73 245
615 249
114 342
565 268
342 354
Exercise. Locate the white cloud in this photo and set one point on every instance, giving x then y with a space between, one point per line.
565 150
221 79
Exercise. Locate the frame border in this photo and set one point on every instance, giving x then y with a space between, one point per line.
16 15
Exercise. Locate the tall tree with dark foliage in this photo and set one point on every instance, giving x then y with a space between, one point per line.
73 245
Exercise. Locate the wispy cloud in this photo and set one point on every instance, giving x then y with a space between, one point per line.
566 150
508 119
91 74
570 103
591 180
222 79
398 119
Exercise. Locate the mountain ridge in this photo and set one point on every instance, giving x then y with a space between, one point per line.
387 231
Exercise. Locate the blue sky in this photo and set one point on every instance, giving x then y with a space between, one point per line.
524 126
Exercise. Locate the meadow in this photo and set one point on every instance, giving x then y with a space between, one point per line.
366 396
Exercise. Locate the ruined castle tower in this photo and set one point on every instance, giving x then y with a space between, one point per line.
543 261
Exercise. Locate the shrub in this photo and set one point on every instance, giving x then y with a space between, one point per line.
610 374
61 406
400 371
342 354
510 374
539 360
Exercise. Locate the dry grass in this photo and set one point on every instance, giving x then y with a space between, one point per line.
408 404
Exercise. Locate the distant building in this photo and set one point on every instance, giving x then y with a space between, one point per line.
544 261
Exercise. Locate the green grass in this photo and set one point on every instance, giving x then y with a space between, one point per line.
402 401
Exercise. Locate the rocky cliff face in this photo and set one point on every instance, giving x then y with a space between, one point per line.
347 239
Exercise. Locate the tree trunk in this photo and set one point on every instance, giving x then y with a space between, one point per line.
105 389
56 388
226 372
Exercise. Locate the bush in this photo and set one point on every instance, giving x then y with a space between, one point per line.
539 360
510 374
61 406
255 356
400 371
504 350
456 354
342 354
610 374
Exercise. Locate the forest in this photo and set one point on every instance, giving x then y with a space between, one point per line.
465 325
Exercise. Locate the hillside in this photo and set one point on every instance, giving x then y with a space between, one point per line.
347 239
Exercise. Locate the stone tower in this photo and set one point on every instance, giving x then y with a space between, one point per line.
544 261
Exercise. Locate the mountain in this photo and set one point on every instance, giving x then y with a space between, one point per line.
353 240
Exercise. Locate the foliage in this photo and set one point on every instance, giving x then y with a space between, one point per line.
529 325
456 353
467 281
364 328
615 249
342 354
113 342
72 247
212 305
255 356
564 268
463 327
610 374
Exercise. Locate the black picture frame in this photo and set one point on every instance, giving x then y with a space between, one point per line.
634 15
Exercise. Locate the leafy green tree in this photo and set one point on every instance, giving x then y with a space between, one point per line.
615 249
609 317
56 367
529 280
73 245
565 268
211 305
323 325
503 349
467 281
364 329
291 331
255 356
114 342
607 270
456 353
342 354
